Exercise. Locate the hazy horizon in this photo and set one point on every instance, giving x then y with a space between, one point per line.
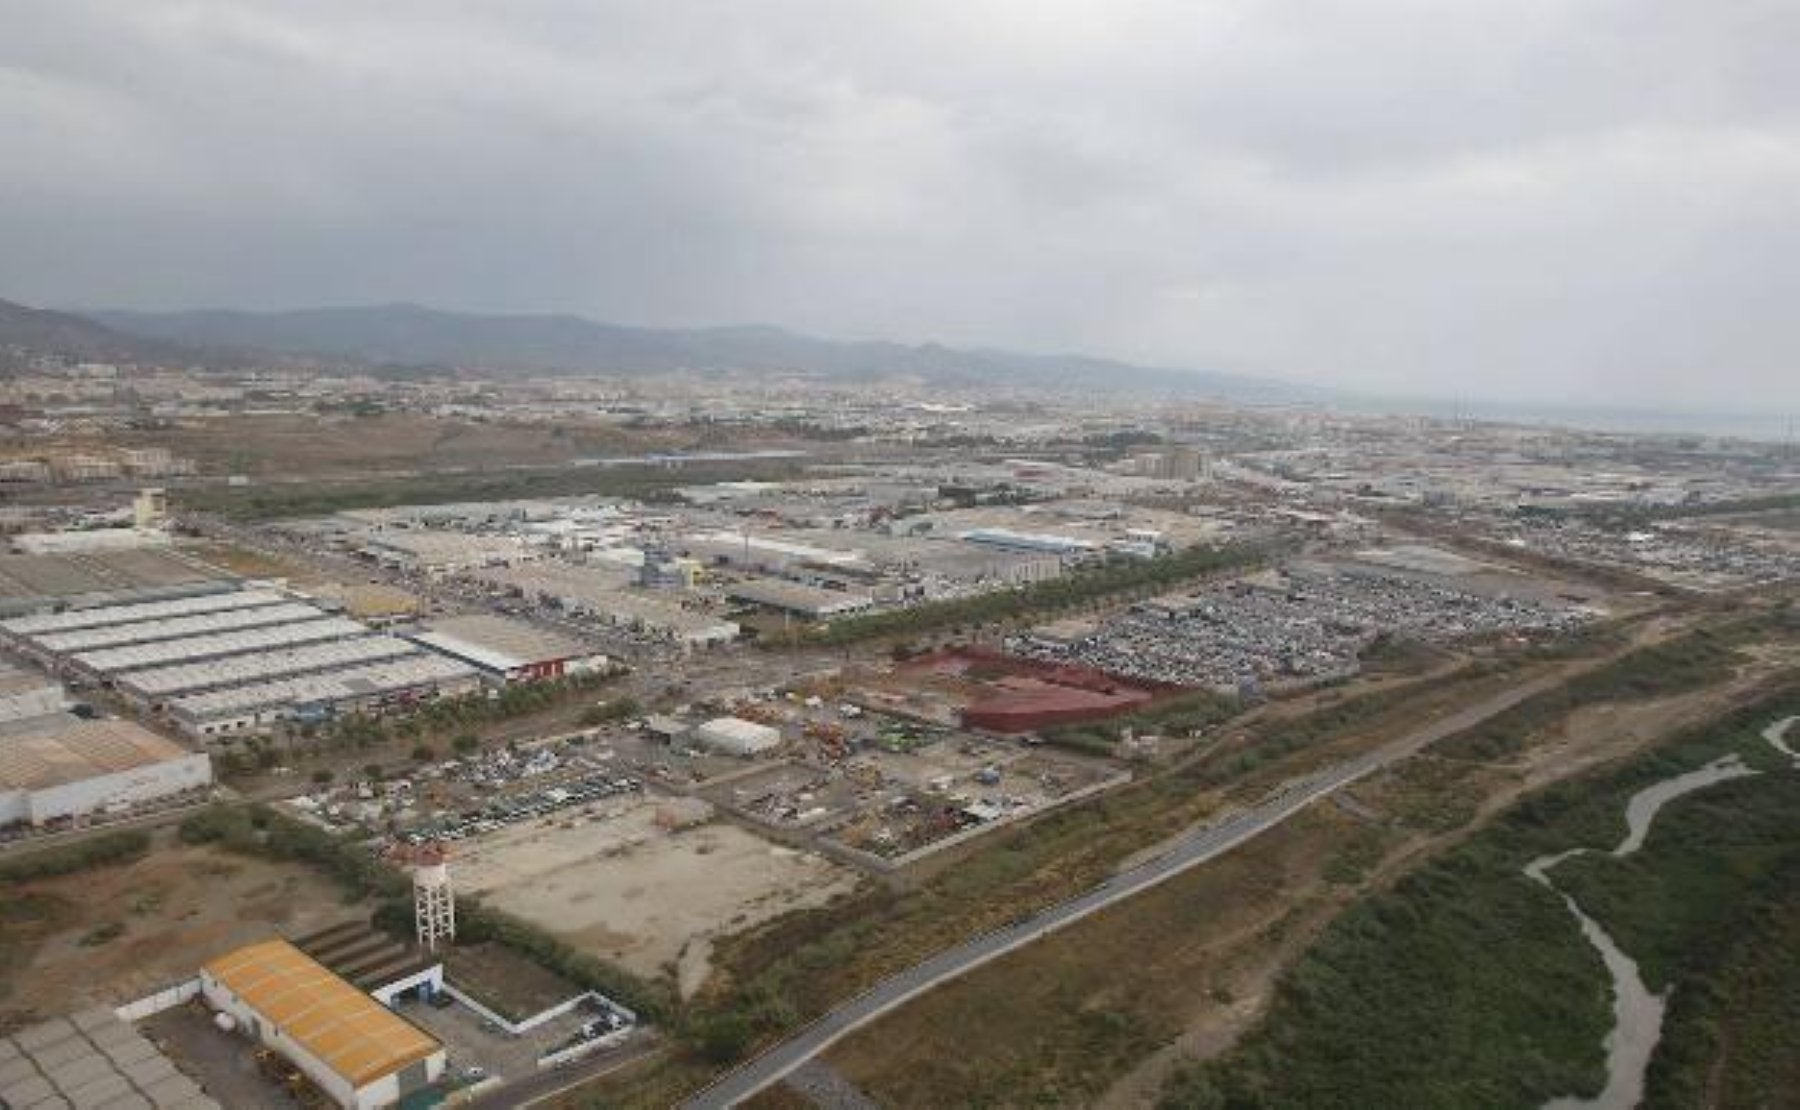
1529 206
1774 425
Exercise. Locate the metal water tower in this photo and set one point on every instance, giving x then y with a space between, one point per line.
434 898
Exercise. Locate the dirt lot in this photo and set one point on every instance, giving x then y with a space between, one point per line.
222 1063
626 889
284 445
505 980
178 907
253 564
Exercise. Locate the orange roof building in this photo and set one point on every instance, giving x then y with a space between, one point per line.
358 1051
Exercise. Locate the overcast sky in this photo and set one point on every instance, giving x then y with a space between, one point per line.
1530 199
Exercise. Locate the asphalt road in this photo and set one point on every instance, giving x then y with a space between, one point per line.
551 1082
1194 848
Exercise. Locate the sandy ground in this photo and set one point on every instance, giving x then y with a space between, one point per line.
621 887
180 906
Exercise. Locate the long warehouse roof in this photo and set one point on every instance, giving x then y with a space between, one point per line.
163 653
139 632
338 1025
498 643
83 750
250 667
142 611
356 682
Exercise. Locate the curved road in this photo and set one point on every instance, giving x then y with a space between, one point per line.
1191 850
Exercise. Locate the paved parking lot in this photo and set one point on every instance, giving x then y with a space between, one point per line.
223 1063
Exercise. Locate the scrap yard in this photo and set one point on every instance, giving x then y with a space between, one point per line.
1306 622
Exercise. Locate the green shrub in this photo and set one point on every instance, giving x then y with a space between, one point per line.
107 849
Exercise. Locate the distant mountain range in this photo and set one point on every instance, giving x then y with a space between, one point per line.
409 339
63 333
412 336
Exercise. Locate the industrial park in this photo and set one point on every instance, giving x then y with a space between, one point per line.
573 753
1202 556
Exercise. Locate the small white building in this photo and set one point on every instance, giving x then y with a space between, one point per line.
736 736
359 1053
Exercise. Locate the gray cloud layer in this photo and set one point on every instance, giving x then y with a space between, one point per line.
1588 200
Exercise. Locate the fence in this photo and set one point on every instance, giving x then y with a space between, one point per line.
582 1048
539 1018
155 1003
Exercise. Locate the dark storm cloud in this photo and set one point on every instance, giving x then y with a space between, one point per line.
1524 199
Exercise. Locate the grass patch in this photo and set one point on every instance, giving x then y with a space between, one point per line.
1687 662
102 934
106 850
26 918
295 499
1357 856
1731 1037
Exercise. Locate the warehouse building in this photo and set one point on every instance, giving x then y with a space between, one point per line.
104 615
171 628
359 1053
223 665
46 583
736 736
108 662
604 593
508 650
652 615
809 602
1044 542
74 768
764 554
435 553
152 685
311 699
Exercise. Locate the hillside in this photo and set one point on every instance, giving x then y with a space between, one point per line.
42 331
410 335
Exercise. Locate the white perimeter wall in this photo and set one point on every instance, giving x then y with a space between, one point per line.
140 784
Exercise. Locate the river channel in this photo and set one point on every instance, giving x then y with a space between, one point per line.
1637 1013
